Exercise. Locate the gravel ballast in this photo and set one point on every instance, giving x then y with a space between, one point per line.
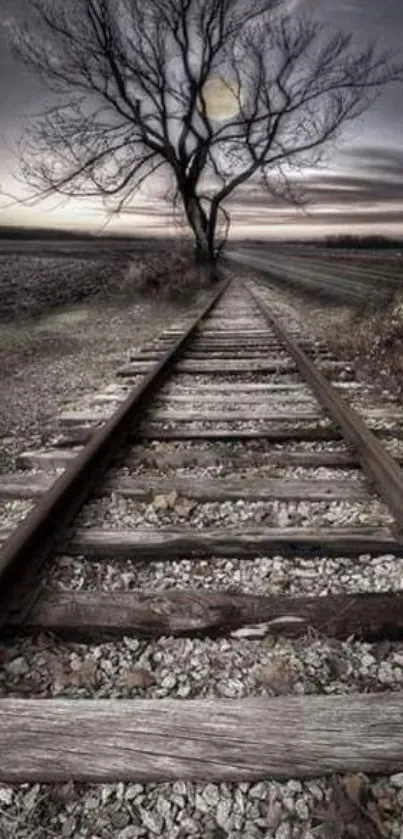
117 513
263 575
185 668
264 810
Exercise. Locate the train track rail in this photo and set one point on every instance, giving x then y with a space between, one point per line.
309 477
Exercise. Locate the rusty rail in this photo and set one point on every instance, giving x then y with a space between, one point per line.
45 529
375 460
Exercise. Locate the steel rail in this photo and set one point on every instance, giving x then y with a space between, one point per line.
375 460
44 529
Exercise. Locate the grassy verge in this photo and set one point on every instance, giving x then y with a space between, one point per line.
374 338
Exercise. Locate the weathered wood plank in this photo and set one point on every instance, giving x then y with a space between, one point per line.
71 419
57 740
266 342
217 489
20 485
336 363
243 350
170 543
108 398
232 335
255 400
249 387
243 391
52 459
154 431
236 353
83 615
228 319
227 342
250 346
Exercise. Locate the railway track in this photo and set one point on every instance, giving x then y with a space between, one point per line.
234 492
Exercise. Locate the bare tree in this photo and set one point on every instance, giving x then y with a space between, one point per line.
210 92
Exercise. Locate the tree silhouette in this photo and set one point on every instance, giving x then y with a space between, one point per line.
210 92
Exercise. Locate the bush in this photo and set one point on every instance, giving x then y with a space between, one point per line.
375 336
172 273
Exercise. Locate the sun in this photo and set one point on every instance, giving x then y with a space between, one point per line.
222 98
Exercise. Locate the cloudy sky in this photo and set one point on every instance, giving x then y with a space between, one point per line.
362 184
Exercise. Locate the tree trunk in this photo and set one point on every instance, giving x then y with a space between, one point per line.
200 224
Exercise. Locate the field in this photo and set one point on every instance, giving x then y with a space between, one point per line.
353 299
348 276
36 276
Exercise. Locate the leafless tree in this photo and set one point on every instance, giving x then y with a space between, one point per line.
210 92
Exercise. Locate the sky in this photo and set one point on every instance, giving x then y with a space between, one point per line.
360 189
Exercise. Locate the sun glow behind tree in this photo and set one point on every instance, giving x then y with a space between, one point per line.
210 92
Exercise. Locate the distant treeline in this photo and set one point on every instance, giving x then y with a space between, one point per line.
373 242
9 232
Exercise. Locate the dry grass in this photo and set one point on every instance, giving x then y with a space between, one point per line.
170 274
41 312
22 342
374 337
32 285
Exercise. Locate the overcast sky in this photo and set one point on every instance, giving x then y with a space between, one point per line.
361 186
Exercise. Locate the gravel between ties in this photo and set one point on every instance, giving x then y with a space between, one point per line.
117 512
263 575
263 810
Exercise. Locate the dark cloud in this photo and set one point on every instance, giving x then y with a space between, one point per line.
20 92
381 160
328 217
372 176
342 189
